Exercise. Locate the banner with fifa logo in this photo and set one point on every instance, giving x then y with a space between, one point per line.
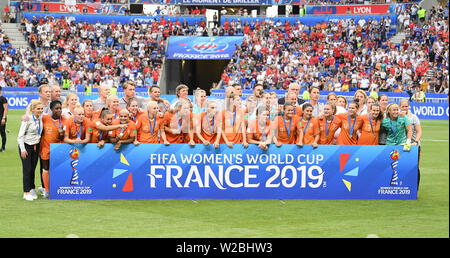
179 171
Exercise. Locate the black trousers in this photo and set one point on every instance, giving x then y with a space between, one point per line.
29 166
3 134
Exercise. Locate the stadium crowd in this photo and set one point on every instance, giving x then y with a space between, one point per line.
343 56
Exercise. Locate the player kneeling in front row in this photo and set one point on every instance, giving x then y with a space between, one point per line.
78 130
208 129
178 125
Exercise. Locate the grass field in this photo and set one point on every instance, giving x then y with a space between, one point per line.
427 217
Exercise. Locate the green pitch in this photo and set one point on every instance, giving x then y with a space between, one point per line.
426 217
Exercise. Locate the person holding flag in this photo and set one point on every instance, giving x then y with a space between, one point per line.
29 144
125 134
208 127
259 131
178 124
370 127
77 129
398 127
149 125
233 123
101 128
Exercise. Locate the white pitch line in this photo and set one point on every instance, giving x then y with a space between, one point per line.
431 140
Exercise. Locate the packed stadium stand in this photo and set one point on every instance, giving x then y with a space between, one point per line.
338 55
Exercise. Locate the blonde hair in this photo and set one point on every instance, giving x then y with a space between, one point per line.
43 86
128 83
110 98
65 104
388 109
363 93
198 91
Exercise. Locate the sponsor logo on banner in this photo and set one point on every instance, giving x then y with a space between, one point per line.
430 111
395 186
178 171
16 101
353 172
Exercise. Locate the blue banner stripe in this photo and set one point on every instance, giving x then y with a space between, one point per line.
155 171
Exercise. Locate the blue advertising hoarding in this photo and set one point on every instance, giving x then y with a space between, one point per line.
435 111
310 20
179 171
430 110
220 2
207 48
19 101
123 19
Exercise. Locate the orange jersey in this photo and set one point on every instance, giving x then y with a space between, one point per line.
369 131
232 123
310 129
75 130
345 138
97 135
328 129
182 124
50 134
256 133
208 127
287 129
135 117
123 133
146 130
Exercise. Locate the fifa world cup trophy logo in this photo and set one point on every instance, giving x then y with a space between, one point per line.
74 163
394 157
